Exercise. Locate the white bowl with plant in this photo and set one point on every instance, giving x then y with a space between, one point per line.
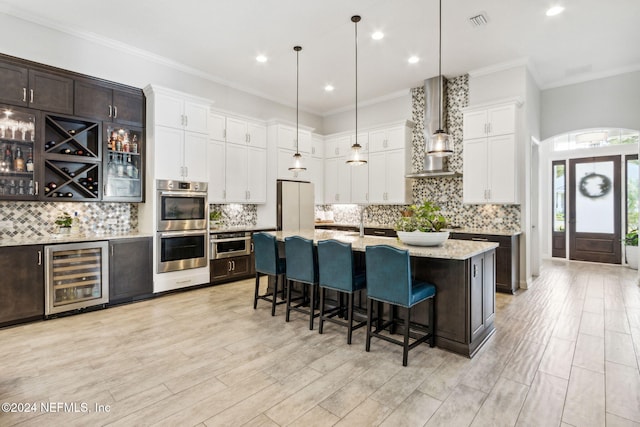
215 219
64 221
422 225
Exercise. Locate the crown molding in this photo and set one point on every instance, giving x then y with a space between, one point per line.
590 76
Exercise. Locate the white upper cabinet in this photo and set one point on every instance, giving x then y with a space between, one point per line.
286 136
337 180
180 129
493 121
217 127
490 154
387 139
240 131
178 112
359 183
317 146
337 146
217 171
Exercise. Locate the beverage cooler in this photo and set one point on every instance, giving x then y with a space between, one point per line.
77 276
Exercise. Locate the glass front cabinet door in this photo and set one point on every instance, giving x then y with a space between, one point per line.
123 167
18 179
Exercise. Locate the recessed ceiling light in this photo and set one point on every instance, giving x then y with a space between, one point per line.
261 58
555 10
413 60
328 88
378 35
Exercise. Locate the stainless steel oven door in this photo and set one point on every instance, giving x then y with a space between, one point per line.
229 247
181 211
181 250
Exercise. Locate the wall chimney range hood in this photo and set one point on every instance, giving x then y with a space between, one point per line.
433 166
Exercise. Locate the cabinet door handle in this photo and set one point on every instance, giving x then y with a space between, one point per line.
110 111
248 195
24 94
233 265
36 188
379 233
111 250
479 239
224 133
31 96
39 257
490 130
228 265
251 246
186 121
475 270
115 112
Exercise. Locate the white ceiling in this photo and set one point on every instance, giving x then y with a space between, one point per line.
221 38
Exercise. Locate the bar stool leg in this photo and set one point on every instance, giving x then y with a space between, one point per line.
321 309
432 329
369 315
405 347
349 317
288 310
274 296
255 295
312 306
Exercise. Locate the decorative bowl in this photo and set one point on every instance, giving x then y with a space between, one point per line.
421 238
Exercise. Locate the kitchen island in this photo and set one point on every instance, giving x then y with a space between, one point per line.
463 273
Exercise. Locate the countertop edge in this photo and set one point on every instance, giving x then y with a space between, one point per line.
55 239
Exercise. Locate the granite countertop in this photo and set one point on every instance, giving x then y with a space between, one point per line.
450 249
239 228
52 239
465 230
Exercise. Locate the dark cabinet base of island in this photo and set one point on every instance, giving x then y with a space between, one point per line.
130 269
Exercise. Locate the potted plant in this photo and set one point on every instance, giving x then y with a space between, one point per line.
422 225
64 222
631 248
215 218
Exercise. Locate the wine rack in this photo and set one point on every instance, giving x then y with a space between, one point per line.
72 158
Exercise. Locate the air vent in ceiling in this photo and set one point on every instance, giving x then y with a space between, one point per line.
479 20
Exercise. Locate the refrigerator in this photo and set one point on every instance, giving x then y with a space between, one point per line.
295 205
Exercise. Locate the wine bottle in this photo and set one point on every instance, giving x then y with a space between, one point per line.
30 161
18 161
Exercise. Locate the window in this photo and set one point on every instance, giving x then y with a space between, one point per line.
633 181
590 138
559 195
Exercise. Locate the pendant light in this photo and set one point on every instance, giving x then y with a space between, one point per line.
439 143
356 159
297 158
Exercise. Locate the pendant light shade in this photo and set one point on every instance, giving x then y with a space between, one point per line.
439 144
356 158
297 158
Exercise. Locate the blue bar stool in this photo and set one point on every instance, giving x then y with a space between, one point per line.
302 267
389 280
337 272
268 263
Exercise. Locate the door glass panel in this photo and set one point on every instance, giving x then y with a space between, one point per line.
633 182
594 197
559 195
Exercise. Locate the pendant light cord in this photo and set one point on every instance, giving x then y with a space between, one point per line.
297 96
440 66
356 22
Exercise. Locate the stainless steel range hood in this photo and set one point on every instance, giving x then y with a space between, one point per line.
434 167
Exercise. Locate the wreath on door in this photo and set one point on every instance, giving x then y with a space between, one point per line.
594 185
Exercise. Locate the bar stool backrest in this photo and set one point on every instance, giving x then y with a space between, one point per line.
335 263
265 249
302 260
388 274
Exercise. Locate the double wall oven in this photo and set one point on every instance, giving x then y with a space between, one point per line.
182 215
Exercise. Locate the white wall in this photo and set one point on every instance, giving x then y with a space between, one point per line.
608 102
112 62
395 108
497 85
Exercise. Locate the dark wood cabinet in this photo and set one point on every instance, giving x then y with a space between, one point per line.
229 269
21 284
107 102
507 258
31 87
130 269
482 302
68 111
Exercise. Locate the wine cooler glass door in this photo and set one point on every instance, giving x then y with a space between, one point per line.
77 276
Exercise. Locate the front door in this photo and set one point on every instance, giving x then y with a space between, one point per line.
594 212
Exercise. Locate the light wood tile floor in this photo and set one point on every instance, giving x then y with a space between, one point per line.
566 352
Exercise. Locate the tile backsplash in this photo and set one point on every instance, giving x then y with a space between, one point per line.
445 192
234 215
36 219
